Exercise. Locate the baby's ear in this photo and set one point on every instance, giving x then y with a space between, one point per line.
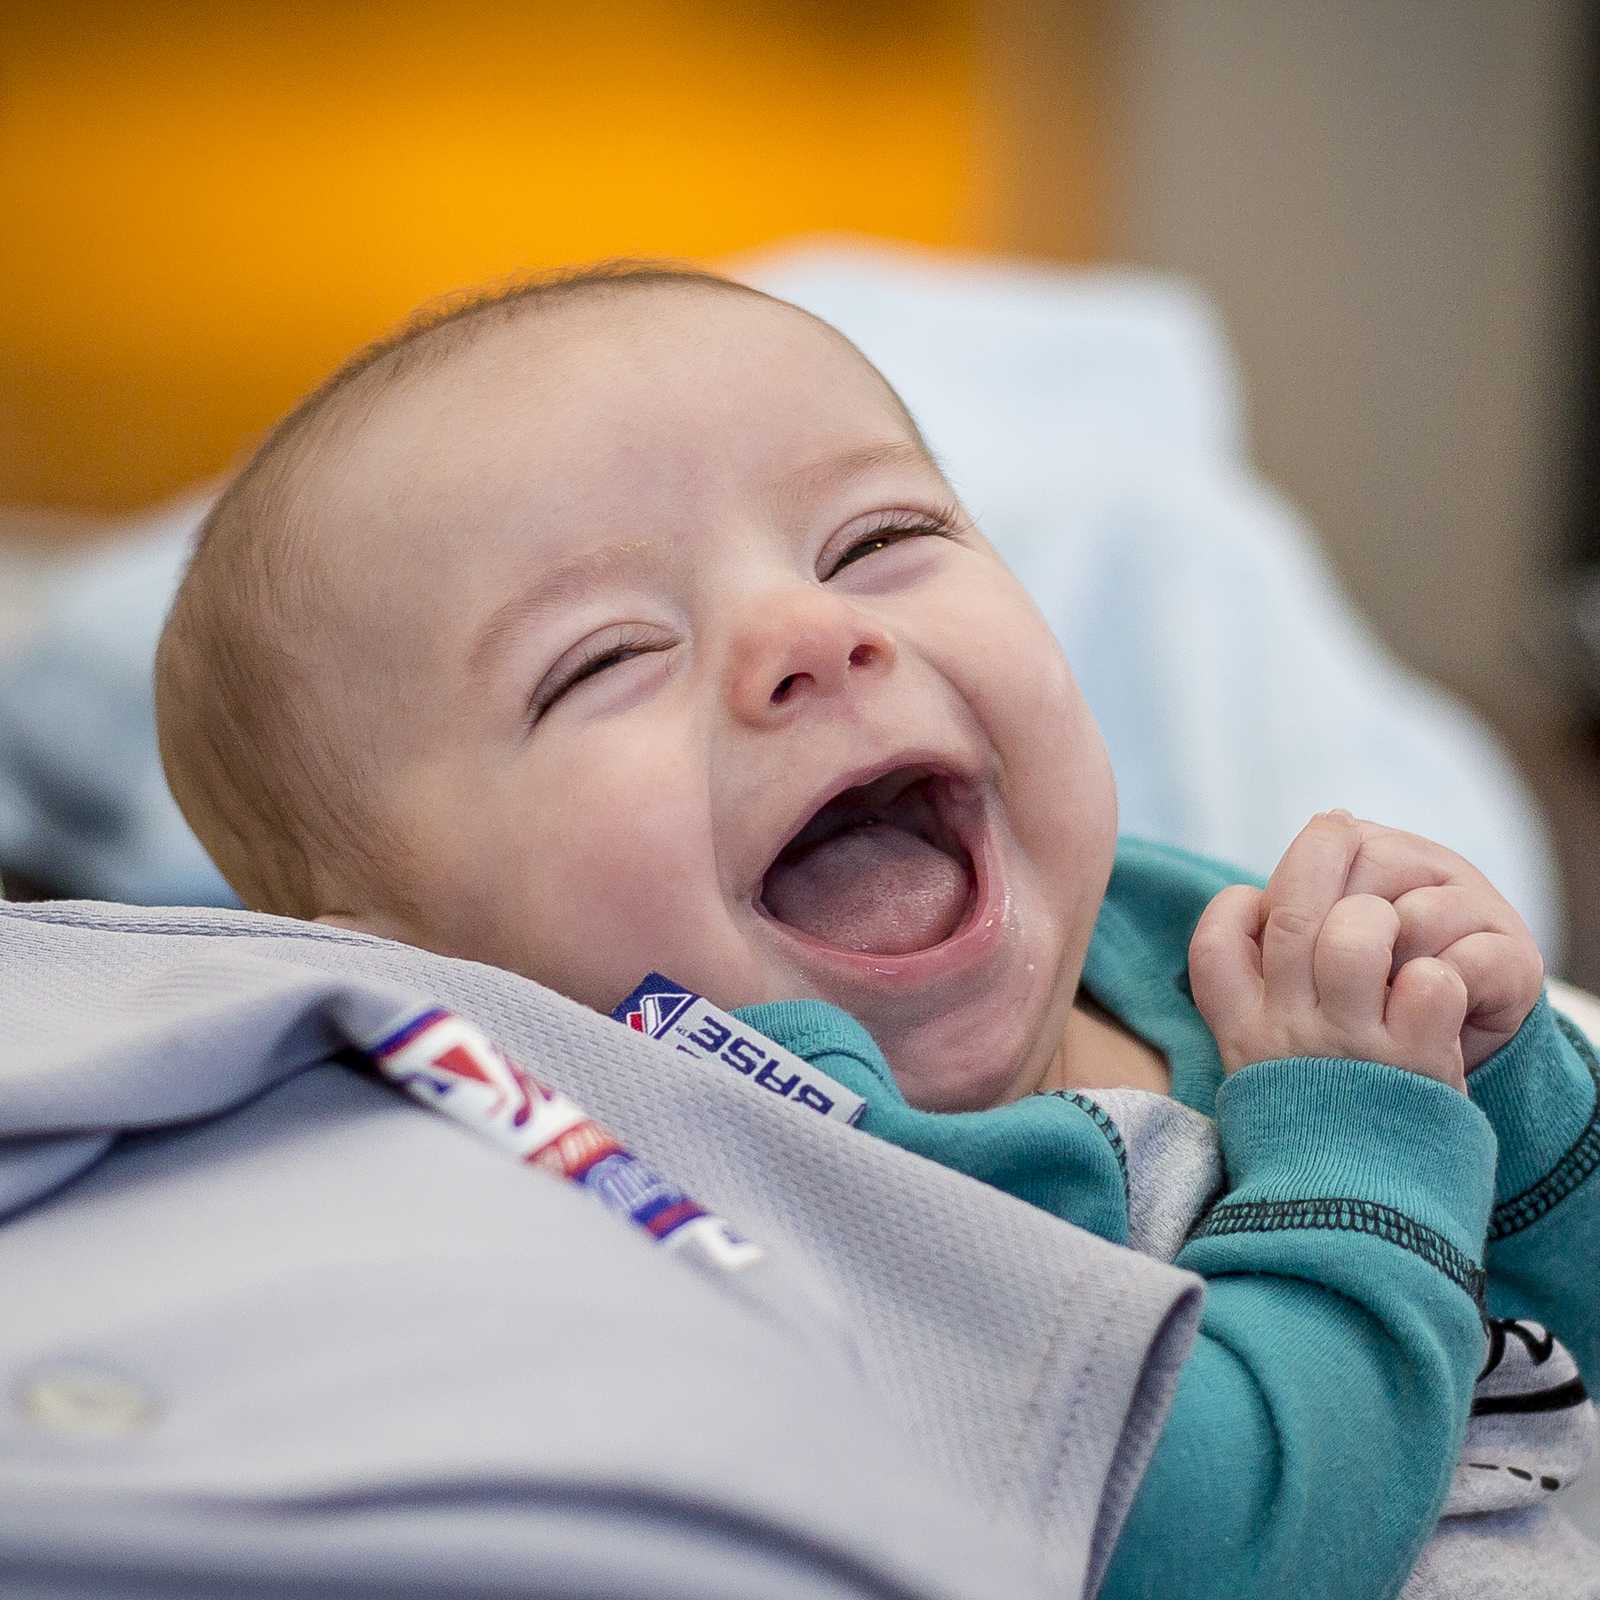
377 923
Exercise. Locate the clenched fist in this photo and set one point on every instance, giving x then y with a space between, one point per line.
1366 942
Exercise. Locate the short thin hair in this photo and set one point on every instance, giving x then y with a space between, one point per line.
271 786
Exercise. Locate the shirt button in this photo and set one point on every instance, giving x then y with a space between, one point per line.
85 1401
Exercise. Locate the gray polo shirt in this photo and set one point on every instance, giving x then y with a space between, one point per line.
267 1327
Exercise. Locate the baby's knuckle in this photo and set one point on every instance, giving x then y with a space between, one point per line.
1369 908
1343 945
1356 937
1365 918
1530 969
1217 906
1292 922
1223 907
1435 977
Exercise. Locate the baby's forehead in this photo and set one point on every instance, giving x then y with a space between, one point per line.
620 419
652 389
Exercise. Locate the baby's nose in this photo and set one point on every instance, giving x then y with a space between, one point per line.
792 650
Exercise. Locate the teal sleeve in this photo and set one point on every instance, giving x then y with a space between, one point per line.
1319 1418
1061 1153
1541 1094
1317 1421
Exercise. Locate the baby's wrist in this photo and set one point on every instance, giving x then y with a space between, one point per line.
1541 1094
1448 1074
1345 1132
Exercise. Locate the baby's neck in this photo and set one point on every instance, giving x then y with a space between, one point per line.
1097 1052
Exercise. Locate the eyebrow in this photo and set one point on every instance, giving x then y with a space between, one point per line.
840 471
564 583
570 580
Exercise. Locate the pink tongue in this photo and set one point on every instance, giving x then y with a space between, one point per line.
874 887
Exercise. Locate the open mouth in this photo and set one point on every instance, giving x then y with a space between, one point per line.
880 869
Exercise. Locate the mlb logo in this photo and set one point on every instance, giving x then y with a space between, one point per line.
653 1007
662 1009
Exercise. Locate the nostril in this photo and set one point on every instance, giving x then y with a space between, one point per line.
862 655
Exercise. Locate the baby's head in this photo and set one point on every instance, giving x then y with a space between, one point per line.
624 623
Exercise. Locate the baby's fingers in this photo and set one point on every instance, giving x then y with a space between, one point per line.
1224 957
1353 955
1304 887
1503 975
1427 1006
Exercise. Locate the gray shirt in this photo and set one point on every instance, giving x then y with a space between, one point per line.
270 1328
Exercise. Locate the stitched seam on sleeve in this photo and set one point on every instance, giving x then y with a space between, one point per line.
1578 1163
1347 1216
1101 1118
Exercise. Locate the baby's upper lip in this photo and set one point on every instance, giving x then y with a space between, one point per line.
918 762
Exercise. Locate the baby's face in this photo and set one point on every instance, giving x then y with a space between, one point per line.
677 671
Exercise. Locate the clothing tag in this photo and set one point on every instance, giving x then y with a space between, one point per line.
447 1063
666 1010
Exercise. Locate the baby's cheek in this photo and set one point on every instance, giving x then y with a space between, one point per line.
624 890
1036 710
1008 647
587 940
1048 691
1060 789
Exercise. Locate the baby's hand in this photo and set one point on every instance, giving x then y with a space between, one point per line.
1367 942
1450 910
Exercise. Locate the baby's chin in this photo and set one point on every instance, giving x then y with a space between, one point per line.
992 1047
938 1067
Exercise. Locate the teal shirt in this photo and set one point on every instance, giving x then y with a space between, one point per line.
1319 1416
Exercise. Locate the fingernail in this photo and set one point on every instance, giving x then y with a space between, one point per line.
1339 814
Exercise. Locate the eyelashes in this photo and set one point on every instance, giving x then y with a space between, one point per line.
898 526
606 651
613 647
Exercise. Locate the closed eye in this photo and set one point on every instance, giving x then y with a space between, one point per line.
599 655
897 527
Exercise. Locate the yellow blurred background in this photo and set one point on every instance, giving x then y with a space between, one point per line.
209 205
